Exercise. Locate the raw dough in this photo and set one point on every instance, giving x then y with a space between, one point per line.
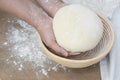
77 28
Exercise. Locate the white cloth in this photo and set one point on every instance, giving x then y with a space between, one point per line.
110 66
106 7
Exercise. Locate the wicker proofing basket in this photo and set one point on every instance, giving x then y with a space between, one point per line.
90 57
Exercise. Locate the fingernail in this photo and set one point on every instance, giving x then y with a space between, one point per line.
64 53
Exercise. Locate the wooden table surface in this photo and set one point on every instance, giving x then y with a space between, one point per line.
8 71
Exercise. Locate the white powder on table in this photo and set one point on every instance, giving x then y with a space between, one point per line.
25 47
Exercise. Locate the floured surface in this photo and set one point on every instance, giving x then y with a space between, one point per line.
21 57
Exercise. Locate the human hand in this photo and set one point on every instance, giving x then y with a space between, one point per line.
47 34
34 15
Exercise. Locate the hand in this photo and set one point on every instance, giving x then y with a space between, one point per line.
47 34
34 15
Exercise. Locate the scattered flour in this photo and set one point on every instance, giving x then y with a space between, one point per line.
44 71
25 47
20 69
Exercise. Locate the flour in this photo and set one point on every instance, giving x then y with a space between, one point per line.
26 48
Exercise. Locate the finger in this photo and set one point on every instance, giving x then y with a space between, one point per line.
50 6
57 49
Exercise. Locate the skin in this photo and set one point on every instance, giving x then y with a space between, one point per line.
40 17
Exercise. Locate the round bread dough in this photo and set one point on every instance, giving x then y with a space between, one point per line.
77 28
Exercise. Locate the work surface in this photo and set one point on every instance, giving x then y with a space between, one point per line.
21 57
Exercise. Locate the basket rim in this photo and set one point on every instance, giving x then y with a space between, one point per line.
57 58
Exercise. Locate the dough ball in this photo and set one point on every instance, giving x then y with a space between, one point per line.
77 28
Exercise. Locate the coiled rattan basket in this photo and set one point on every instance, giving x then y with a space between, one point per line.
90 57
